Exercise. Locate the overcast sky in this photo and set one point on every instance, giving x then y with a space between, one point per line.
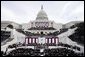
58 11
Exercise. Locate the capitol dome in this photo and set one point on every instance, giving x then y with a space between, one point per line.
41 15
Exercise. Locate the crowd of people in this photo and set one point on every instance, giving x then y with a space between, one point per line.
5 35
43 28
15 45
78 36
61 52
46 52
69 46
58 32
36 52
24 52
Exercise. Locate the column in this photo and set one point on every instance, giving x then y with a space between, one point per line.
55 40
51 40
25 40
28 40
47 40
31 40
34 40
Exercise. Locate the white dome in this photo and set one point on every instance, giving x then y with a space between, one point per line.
41 15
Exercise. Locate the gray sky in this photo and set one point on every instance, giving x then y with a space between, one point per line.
58 11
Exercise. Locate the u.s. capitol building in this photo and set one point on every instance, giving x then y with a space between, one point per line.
41 24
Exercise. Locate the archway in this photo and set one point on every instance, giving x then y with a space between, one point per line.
41 32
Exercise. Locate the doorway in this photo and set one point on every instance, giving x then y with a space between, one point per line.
41 32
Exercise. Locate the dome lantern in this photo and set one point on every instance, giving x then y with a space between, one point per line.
41 7
41 14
